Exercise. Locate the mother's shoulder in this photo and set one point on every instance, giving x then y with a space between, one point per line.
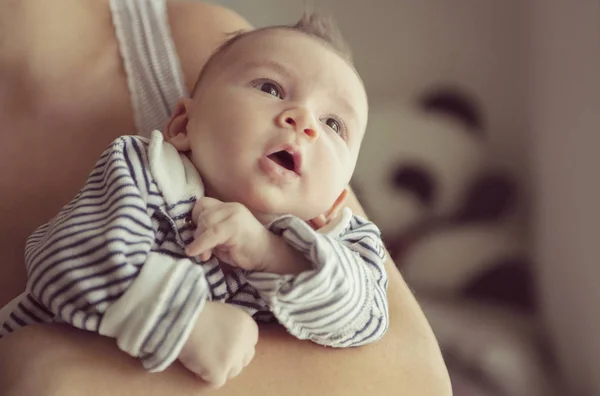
198 28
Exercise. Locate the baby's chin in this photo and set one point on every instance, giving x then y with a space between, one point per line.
268 210
268 205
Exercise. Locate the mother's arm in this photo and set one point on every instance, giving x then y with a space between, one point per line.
58 360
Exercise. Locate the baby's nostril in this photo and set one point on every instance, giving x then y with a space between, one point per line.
290 121
310 132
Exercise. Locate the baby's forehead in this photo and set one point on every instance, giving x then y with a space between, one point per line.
297 53
284 42
258 37
268 43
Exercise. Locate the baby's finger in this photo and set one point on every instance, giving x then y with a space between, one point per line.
205 256
214 216
203 243
200 372
214 380
248 358
202 204
235 371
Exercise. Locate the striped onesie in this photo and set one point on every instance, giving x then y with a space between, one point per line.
112 261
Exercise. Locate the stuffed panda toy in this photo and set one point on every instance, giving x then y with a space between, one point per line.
449 215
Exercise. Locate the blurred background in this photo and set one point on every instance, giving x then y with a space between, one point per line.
477 166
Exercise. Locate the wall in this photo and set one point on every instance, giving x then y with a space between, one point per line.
565 124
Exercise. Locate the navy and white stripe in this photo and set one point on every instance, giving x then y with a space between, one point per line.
96 254
342 301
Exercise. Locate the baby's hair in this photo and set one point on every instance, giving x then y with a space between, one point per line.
318 26
325 29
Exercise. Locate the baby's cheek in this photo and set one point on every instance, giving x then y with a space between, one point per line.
338 170
325 196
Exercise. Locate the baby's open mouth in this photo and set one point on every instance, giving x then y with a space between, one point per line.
284 159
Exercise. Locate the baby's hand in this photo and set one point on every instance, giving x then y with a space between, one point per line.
230 232
221 344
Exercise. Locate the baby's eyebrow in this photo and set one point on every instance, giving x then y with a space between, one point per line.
269 64
347 107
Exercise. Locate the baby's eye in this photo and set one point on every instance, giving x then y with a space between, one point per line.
337 125
334 124
270 88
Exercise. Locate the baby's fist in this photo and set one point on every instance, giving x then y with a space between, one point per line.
229 231
221 344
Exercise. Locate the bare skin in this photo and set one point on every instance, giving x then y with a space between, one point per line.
63 98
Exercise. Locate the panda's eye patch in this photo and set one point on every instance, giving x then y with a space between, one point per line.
416 180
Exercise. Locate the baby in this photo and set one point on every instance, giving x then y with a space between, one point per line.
233 212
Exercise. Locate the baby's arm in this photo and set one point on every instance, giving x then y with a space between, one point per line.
93 266
341 301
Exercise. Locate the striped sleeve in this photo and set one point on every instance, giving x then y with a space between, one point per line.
92 266
342 301
23 310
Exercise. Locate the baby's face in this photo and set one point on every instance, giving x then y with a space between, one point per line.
277 125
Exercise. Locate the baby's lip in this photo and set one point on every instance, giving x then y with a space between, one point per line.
294 152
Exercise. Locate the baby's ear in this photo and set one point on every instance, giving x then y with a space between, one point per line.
176 129
324 219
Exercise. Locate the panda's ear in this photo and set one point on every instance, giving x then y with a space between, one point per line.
416 180
489 198
455 103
